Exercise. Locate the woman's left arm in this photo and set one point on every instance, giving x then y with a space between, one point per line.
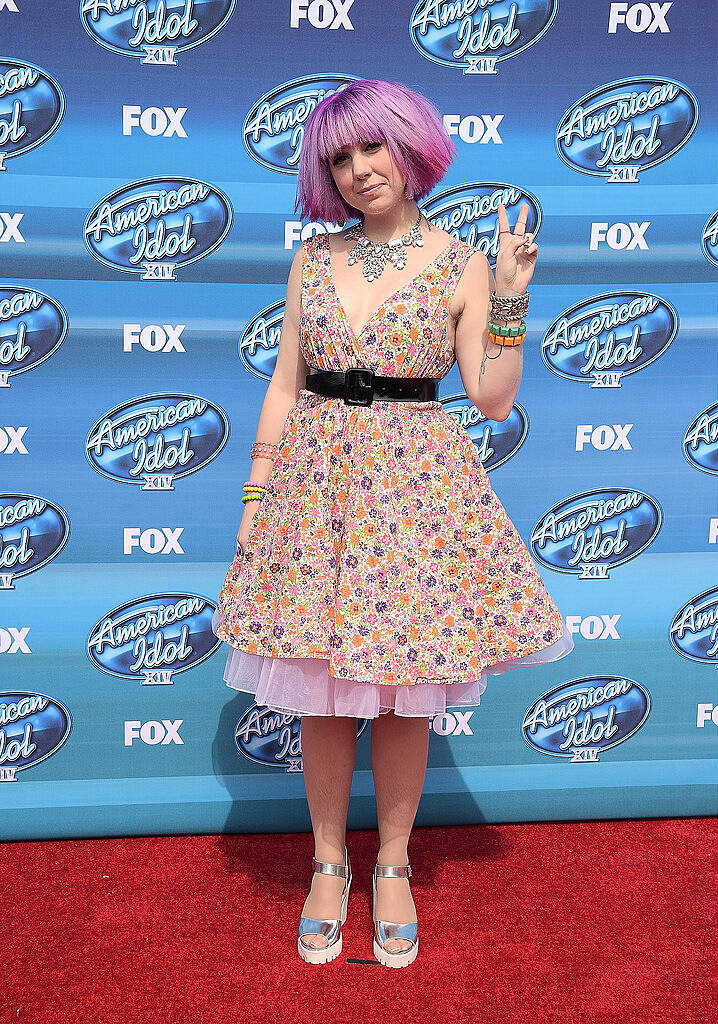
491 373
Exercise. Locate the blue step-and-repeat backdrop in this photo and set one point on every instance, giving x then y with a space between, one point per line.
148 161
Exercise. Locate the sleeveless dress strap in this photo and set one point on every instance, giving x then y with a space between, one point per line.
310 254
460 256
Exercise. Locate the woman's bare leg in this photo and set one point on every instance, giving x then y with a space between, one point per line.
399 750
329 747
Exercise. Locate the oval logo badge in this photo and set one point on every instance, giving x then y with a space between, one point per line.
497 441
627 126
154 637
273 739
693 630
273 128
32 328
600 340
596 531
699 442
259 343
33 531
157 439
709 238
152 226
33 727
476 37
154 30
32 105
580 719
470 212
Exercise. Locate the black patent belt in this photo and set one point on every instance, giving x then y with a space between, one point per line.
358 386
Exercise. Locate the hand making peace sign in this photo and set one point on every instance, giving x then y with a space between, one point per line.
517 254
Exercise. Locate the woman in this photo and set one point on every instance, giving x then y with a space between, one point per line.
377 574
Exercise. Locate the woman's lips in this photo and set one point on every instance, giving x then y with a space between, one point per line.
372 190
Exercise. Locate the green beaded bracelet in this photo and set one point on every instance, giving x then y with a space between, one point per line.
507 332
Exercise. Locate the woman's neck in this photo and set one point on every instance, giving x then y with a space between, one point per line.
383 227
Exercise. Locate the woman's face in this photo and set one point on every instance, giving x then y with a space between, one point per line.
355 168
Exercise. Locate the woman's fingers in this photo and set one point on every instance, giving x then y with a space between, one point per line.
513 240
522 218
503 219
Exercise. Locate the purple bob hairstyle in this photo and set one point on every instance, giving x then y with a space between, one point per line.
364 111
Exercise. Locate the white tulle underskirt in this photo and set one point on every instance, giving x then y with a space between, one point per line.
303 686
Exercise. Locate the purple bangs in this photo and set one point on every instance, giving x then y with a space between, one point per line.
366 111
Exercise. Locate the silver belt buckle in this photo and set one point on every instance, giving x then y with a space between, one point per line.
358 386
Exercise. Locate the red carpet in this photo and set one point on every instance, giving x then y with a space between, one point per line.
573 923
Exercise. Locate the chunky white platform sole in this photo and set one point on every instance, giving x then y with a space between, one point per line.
385 930
330 927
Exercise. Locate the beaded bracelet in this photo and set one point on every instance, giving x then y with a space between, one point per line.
253 491
508 332
263 450
499 340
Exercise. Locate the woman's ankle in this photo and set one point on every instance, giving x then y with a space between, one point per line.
331 853
393 854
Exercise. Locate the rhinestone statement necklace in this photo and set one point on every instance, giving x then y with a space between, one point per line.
376 255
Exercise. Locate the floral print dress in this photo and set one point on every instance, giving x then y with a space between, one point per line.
381 571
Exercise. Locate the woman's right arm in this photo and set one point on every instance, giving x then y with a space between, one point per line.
287 380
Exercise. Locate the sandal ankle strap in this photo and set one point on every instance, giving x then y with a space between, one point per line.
327 868
398 871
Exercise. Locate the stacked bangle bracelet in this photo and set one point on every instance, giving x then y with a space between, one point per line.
503 308
500 334
253 491
263 450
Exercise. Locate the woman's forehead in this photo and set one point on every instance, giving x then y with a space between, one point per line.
361 141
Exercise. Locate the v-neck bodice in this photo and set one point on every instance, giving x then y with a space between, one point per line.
406 335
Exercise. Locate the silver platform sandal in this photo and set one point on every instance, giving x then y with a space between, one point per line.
385 930
332 927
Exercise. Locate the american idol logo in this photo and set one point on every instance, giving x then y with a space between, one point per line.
33 727
476 35
627 126
33 531
274 127
470 212
273 739
155 225
700 445
154 637
156 439
155 30
694 630
260 341
580 719
32 328
709 238
595 531
31 107
603 339
496 441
